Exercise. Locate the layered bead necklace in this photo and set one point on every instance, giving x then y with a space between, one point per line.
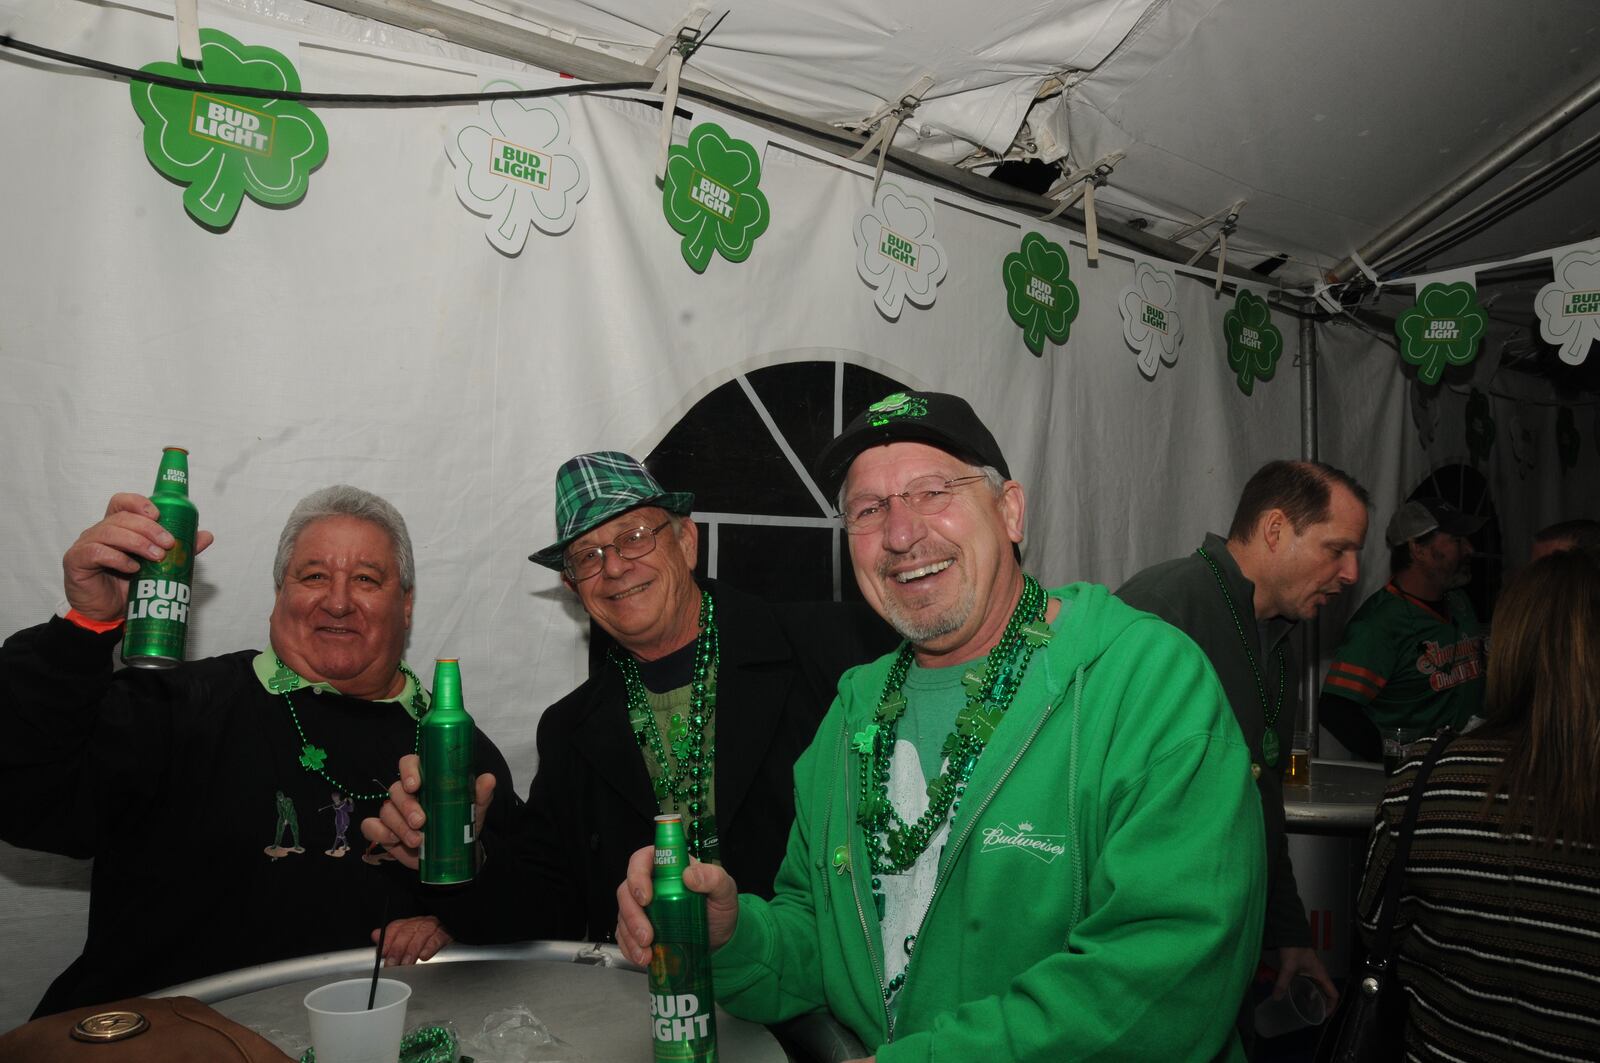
893 844
683 779
1269 711
313 758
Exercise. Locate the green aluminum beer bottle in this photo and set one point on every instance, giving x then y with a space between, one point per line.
683 1007
159 597
449 847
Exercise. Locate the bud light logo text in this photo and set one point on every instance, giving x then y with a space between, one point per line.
159 599
677 1018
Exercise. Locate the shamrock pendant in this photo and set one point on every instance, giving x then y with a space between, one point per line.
284 679
1269 748
311 757
863 740
678 729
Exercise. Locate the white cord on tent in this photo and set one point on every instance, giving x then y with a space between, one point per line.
885 123
1082 184
188 17
673 49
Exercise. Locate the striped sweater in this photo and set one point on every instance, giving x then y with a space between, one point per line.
1499 939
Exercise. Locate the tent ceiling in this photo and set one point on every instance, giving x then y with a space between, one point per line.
1331 121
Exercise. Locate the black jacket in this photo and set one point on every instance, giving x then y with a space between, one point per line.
170 780
591 806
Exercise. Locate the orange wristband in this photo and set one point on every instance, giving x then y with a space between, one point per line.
99 627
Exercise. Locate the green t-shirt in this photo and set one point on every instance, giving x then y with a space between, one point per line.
671 709
1412 663
935 697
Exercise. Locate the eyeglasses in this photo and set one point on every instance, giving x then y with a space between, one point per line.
926 495
582 564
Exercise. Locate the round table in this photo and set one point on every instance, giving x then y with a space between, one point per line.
598 1011
1342 798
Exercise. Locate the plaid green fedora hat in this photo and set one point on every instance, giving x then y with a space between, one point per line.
593 488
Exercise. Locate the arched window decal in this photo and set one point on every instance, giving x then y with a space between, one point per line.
746 451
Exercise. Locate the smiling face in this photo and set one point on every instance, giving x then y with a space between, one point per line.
1309 567
341 616
649 604
946 581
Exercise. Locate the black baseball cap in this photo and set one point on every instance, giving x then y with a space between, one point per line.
940 420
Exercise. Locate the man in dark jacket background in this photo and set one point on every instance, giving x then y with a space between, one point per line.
1295 542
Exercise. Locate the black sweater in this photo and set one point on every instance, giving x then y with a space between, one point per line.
170 781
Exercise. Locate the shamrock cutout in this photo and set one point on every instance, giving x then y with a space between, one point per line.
1149 323
896 252
1039 295
1524 442
1567 438
1444 327
223 148
515 167
1569 306
312 757
1254 342
1480 427
1424 413
863 740
711 197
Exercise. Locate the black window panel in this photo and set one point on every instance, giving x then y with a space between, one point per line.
723 452
778 564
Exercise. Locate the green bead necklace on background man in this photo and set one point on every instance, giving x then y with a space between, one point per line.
683 779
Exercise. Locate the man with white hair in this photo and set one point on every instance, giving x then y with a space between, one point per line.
173 780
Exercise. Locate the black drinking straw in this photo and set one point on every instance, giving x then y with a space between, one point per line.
377 961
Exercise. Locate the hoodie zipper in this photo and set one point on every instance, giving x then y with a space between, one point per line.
960 843
843 776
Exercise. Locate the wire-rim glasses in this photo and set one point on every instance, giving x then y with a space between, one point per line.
632 544
926 495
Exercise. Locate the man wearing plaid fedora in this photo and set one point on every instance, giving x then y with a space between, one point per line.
1029 834
704 699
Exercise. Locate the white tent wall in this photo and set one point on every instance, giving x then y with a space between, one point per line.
370 334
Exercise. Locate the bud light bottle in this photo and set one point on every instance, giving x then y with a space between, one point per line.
449 847
683 1011
159 597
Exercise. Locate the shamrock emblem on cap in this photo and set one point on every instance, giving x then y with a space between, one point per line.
899 404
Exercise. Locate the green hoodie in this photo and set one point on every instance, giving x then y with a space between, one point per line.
1101 895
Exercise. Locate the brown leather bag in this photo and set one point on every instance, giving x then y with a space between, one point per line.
179 1030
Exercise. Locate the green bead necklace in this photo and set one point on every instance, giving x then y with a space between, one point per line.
1269 712
683 780
893 844
312 758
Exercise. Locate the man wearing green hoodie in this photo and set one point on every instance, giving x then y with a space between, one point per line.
1082 878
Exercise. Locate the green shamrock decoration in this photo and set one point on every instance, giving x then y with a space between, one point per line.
1254 342
1039 294
1444 327
223 148
1567 438
711 198
1480 427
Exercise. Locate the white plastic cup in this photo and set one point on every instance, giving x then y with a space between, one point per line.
1303 1005
344 1030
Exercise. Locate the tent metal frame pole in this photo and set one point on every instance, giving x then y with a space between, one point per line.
1485 168
1312 645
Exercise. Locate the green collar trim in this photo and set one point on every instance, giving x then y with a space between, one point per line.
276 677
